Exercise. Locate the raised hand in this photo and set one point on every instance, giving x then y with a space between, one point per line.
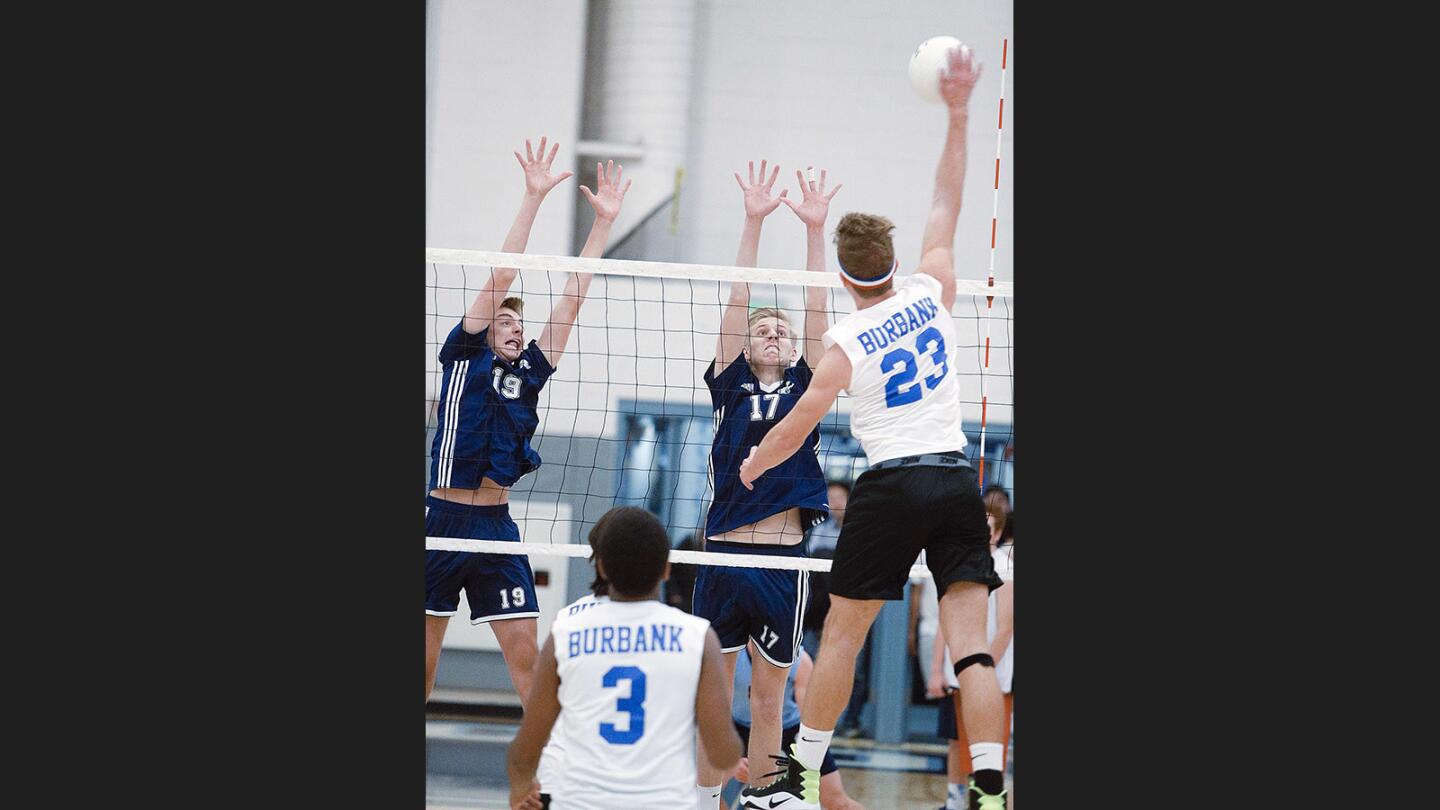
815 206
538 179
961 77
758 202
607 199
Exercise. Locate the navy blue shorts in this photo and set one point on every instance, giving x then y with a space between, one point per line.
497 586
764 604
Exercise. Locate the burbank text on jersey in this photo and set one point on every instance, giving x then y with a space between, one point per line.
625 639
898 325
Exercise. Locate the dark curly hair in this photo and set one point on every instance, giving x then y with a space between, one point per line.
633 550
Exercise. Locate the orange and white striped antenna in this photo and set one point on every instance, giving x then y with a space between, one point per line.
990 279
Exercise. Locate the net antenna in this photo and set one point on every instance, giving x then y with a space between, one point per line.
990 281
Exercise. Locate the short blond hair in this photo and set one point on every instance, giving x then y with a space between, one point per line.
768 312
513 303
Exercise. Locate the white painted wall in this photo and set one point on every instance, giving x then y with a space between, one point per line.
498 72
819 82
800 82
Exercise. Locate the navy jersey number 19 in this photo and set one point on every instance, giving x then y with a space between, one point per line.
633 705
896 394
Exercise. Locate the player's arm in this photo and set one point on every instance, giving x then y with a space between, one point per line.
912 636
1004 619
935 683
606 201
803 668
758 205
789 433
541 709
937 248
812 210
538 182
712 710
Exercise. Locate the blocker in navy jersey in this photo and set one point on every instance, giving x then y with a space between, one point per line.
497 586
766 604
745 410
487 412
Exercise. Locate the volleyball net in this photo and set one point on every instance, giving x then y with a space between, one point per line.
626 418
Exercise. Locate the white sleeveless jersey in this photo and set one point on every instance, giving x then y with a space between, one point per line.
903 376
552 758
628 677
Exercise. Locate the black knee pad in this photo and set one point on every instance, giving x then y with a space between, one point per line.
983 659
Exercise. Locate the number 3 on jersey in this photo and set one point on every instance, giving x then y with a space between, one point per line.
901 389
633 705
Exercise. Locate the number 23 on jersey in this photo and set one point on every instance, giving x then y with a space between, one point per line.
901 388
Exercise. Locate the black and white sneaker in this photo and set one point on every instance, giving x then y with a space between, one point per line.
798 788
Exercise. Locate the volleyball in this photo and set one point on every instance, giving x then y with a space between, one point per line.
926 63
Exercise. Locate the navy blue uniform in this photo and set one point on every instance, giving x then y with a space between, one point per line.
486 419
763 604
745 410
497 586
487 412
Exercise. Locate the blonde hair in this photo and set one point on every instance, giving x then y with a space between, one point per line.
768 312
513 303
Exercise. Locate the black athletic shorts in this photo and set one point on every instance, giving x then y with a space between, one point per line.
895 512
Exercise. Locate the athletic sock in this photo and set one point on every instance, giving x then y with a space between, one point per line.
707 798
811 745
